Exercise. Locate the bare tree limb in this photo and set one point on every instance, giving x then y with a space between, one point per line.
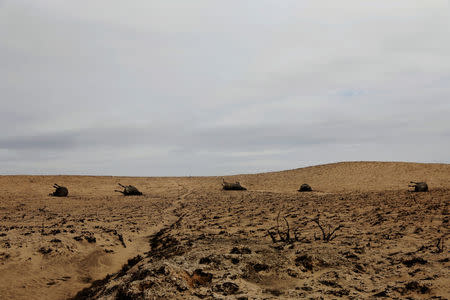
326 237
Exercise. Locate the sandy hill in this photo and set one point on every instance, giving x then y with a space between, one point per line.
51 248
352 176
336 177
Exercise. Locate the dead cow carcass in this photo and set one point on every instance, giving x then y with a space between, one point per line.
60 191
235 186
305 188
419 186
129 190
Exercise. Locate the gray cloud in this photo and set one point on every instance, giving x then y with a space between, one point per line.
200 88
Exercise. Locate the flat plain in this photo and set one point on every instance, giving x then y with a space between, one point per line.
185 238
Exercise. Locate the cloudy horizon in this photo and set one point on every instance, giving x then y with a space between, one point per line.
173 88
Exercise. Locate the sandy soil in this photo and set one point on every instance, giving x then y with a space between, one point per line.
186 238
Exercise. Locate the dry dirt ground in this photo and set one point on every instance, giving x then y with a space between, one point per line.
185 238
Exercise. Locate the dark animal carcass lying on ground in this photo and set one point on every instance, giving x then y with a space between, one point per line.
419 186
60 191
235 186
129 190
305 188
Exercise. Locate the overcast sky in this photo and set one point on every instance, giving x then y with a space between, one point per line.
148 88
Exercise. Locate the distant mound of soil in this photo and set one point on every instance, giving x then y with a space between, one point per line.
351 176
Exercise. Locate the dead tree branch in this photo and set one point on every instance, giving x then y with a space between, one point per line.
277 235
440 245
327 236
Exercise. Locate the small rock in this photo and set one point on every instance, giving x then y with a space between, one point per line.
90 239
45 250
260 267
205 261
416 260
227 288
